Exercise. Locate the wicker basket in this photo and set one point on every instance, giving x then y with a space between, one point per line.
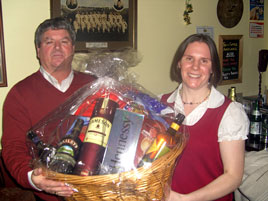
140 184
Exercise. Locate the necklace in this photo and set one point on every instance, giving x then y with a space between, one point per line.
196 103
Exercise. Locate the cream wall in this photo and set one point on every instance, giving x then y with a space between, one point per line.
160 30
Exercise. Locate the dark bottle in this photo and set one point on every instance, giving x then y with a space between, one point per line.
163 142
44 152
96 138
255 129
232 94
68 149
260 100
264 134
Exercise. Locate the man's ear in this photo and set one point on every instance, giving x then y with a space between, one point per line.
73 49
37 52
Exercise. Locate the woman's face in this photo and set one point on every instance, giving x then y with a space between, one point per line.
196 65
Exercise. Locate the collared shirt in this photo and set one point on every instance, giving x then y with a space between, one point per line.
234 124
65 84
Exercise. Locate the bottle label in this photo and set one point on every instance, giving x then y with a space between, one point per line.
255 128
98 131
157 149
256 113
69 142
163 150
67 149
175 126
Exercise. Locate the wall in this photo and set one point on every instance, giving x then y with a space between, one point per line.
160 30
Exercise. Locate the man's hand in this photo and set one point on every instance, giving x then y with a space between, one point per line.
50 186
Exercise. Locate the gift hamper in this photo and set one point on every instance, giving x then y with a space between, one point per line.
111 140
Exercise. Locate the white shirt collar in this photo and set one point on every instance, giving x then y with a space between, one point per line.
214 100
65 84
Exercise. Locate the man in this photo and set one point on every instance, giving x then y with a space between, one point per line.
34 97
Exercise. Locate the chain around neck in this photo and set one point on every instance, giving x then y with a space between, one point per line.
194 103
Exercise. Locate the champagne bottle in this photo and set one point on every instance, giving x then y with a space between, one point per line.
232 93
163 142
44 152
96 138
68 149
255 129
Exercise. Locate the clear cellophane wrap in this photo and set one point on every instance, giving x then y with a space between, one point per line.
116 82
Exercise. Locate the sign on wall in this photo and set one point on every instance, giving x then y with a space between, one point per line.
231 57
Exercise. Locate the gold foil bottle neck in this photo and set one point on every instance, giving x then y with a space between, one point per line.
232 93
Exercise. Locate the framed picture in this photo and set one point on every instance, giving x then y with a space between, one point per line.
100 24
3 76
231 57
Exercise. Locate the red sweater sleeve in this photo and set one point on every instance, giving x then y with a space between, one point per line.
26 104
16 122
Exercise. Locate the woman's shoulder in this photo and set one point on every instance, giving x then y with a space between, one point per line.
236 109
164 97
169 97
235 123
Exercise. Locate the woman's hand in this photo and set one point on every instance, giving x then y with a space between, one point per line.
50 186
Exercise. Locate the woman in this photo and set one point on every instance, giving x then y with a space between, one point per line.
211 167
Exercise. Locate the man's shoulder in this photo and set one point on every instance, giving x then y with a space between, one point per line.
24 88
27 83
86 77
29 79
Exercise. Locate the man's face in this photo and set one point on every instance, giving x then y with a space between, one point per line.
56 50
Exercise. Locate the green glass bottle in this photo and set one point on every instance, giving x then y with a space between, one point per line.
264 134
255 129
68 150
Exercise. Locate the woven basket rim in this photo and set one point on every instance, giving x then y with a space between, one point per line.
138 184
162 161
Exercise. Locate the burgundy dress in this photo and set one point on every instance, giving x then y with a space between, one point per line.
201 161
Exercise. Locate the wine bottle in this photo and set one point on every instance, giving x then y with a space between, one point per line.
264 135
45 152
95 141
255 127
163 142
68 149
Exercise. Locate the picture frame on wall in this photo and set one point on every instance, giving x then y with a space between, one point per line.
100 24
231 58
3 76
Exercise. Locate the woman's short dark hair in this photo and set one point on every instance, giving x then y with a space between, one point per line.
54 24
175 72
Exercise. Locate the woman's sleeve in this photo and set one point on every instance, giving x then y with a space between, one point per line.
234 124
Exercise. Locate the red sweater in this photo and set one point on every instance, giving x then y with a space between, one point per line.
201 161
26 104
